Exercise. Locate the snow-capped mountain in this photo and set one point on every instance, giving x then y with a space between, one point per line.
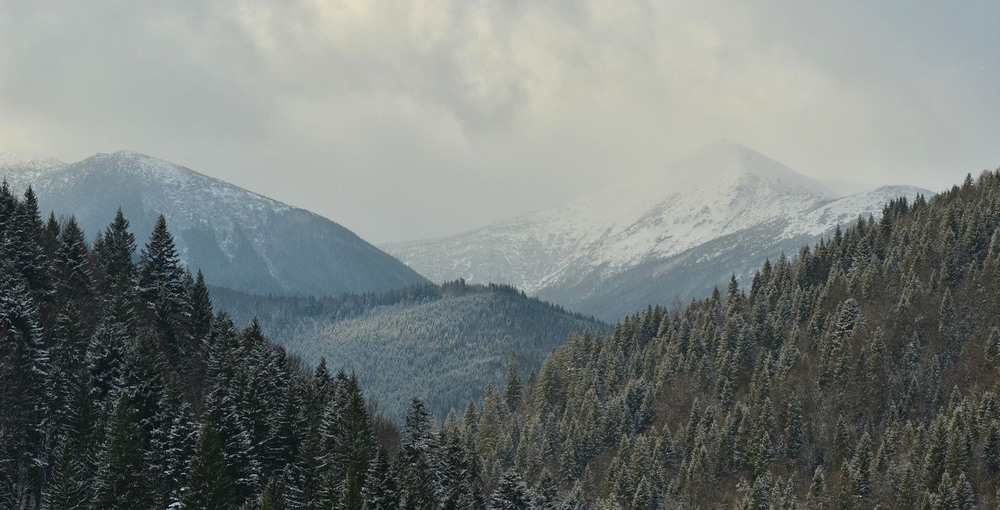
241 240
722 209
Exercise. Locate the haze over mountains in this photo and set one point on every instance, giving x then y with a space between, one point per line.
723 209
240 239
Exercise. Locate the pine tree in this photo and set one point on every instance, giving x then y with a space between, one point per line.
491 435
992 347
849 317
793 430
511 494
273 495
23 371
200 324
67 488
159 269
160 289
946 318
209 484
861 473
418 477
115 253
381 491
350 437
305 489
176 438
74 279
28 252
122 478
512 386
106 359
817 489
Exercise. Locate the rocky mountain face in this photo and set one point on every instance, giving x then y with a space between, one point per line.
240 239
723 209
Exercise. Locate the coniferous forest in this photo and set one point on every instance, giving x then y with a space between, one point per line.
860 373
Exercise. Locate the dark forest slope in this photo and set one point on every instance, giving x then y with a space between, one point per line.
441 343
861 374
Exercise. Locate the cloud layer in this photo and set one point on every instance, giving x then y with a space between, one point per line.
406 119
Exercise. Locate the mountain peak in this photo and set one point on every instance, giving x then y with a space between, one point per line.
245 241
16 159
144 160
725 159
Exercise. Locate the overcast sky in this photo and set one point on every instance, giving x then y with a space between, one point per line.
416 118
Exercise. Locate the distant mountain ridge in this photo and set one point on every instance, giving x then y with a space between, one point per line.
242 240
722 209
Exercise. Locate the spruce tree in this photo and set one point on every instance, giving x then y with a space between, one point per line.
209 484
74 279
24 362
159 269
28 251
116 251
511 494
860 469
67 487
512 384
160 289
419 478
273 495
381 492
122 481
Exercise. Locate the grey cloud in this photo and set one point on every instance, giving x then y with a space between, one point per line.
389 116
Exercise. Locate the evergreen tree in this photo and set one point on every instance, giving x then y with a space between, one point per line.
160 289
115 253
793 430
512 386
159 271
122 478
861 473
25 232
308 474
381 491
67 488
74 278
272 497
511 494
418 474
209 484
23 372
350 438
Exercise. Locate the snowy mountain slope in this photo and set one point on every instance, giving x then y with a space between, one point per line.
241 240
587 255
26 167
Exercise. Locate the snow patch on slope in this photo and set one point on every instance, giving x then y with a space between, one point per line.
17 168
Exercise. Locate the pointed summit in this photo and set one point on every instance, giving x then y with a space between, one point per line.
725 159
721 209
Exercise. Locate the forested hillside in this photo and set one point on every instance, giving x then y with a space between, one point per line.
440 343
119 389
861 374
